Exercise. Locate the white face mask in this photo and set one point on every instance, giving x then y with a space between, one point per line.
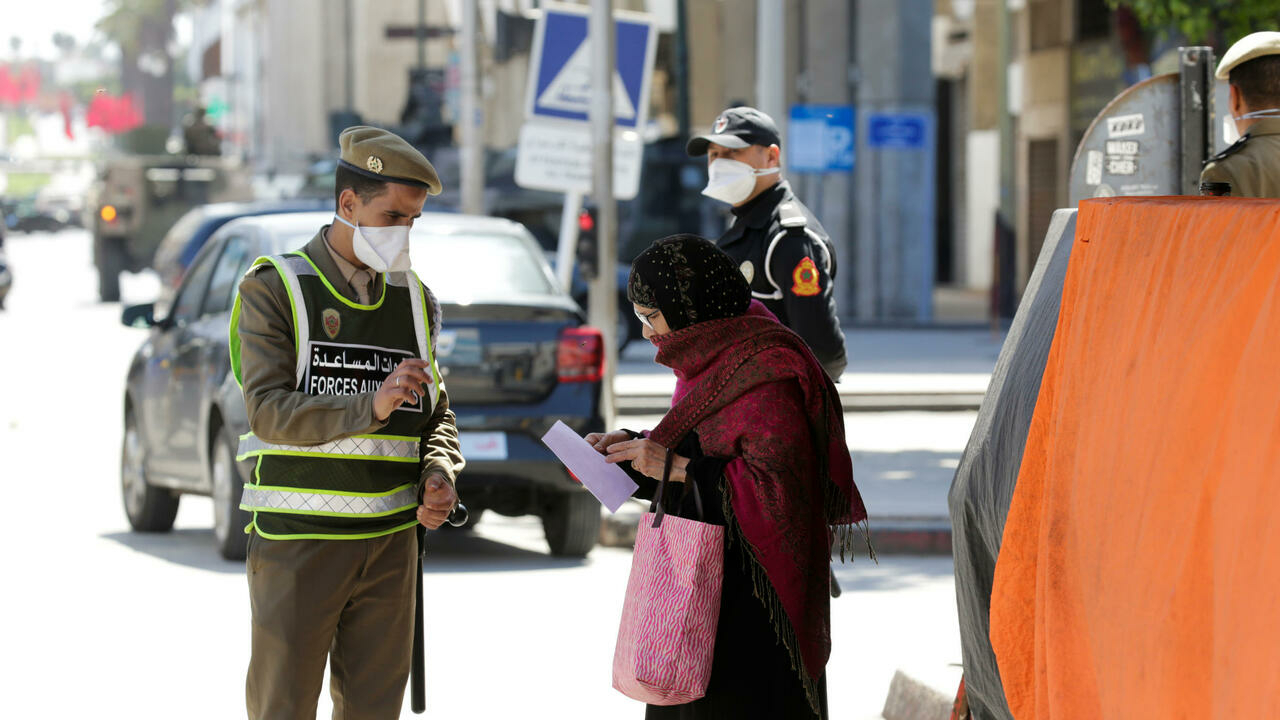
1231 131
385 249
732 181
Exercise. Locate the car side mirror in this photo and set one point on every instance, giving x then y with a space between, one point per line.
139 316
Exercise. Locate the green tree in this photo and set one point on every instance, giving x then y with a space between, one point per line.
1206 21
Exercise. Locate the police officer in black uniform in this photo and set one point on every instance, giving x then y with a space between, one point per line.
779 245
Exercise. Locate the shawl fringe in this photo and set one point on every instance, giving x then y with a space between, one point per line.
768 597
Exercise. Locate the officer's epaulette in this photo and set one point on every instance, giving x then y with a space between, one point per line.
1235 147
789 216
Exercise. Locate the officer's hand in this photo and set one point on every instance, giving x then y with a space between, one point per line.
601 441
405 384
438 499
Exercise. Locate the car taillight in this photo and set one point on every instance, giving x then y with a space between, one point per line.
580 356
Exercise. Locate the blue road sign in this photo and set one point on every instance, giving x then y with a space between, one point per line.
820 139
560 68
900 131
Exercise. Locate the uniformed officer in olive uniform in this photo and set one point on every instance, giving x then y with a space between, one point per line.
1252 164
198 135
354 442
780 247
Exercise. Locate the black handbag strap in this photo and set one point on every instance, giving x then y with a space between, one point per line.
656 507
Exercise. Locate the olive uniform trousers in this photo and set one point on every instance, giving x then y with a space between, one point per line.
349 600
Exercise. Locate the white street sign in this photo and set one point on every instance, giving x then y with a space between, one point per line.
557 157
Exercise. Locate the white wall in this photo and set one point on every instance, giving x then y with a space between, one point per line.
982 178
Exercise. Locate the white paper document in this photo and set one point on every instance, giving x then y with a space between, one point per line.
609 483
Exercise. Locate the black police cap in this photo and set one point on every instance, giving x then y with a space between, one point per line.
735 128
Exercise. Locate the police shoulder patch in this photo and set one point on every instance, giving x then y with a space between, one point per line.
805 277
332 322
790 216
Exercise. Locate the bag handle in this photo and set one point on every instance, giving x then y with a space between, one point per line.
689 486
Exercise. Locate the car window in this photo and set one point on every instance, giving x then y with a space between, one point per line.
231 266
176 238
191 295
283 241
465 267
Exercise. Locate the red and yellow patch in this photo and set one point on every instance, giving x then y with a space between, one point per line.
806 278
332 322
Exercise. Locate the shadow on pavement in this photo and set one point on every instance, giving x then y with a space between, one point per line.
449 551
455 551
190 547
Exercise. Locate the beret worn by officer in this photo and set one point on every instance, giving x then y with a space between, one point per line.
381 155
737 128
1249 47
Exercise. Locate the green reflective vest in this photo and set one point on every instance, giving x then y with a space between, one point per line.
353 487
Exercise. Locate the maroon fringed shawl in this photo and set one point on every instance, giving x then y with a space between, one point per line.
753 391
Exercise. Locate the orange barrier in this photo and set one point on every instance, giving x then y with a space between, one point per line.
1139 573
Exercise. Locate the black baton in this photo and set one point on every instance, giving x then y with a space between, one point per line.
418 668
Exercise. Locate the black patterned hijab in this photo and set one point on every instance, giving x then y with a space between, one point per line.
690 280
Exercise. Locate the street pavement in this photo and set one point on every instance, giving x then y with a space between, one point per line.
102 622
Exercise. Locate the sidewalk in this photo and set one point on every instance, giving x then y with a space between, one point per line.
889 369
909 397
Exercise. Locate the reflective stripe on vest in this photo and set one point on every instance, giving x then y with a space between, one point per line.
393 448
319 502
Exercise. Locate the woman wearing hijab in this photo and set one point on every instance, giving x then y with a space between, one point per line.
757 425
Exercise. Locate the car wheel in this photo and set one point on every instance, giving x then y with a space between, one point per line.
149 508
229 521
110 265
571 524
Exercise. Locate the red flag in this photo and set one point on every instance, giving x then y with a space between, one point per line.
28 84
8 89
114 115
64 100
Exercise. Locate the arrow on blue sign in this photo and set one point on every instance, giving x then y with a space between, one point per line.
560 69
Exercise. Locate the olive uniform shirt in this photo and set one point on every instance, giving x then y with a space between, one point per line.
279 413
1252 164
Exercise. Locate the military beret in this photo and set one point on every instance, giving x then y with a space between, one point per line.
1249 47
382 155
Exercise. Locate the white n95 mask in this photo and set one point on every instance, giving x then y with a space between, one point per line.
1231 132
384 249
732 181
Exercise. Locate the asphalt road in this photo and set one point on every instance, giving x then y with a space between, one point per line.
101 622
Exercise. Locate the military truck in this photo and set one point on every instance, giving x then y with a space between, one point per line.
138 197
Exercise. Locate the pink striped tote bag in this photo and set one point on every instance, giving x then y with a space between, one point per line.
668 632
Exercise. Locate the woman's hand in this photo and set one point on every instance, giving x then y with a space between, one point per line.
601 441
647 458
